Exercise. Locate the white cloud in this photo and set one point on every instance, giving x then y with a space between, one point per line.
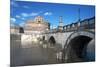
25 14
17 16
47 13
34 14
23 18
20 17
29 14
22 24
13 20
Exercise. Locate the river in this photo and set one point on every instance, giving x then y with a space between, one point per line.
32 54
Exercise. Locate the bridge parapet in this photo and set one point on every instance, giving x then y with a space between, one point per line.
61 38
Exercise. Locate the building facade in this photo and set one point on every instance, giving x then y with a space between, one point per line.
14 29
38 26
60 27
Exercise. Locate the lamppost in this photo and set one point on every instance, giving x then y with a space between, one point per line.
78 19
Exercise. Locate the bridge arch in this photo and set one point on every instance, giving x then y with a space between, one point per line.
43 37
76 46
52 40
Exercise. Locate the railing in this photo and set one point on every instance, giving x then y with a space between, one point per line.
84 25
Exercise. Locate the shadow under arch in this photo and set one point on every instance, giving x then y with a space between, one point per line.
52 40
76 46
43 37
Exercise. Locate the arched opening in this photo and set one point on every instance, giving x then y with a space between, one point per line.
52 41
76 49
21 30
43 37
91 51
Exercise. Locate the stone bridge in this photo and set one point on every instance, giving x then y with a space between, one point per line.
75 45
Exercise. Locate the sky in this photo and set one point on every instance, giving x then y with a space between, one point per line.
21 11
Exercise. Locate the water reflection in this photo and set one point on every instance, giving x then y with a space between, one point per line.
35 52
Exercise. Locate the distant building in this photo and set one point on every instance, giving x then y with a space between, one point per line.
60 27
14 29
38 25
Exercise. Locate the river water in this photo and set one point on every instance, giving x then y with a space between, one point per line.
33 54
